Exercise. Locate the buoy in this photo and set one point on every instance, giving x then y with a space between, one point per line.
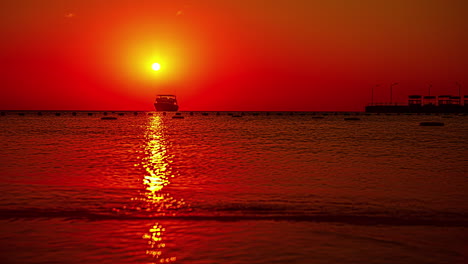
90 114
318 117
352 119
74 114
108 118
39 113
121 114
431 123
177 117
205 114
57 114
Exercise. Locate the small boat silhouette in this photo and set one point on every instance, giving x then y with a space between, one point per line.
430 123
166 102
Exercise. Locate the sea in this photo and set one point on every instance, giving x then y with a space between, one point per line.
232 187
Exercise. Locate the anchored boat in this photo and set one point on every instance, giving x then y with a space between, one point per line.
166 102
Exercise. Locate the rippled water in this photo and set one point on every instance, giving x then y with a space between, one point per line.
220 189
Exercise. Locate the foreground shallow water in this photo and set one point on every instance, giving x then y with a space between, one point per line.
217 189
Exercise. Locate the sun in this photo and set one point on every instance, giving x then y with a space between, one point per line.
156 66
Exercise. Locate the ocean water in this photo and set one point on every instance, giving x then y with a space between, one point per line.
289 188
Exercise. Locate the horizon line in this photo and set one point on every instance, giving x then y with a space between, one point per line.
56 110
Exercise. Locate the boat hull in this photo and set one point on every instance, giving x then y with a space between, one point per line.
166 107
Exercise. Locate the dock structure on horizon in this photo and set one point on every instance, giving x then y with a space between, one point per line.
423 104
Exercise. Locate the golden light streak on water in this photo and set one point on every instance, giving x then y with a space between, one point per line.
157 165
156 243
157 161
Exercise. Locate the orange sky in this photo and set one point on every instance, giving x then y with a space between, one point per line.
228 55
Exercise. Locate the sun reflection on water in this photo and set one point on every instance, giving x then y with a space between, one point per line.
158 172
157 243
157 163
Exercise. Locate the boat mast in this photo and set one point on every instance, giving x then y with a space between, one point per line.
459 88
391 92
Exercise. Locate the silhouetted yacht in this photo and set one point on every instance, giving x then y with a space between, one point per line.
166 102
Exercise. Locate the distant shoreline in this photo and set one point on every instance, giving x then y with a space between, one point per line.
187 111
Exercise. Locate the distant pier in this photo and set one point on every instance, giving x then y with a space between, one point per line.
423 104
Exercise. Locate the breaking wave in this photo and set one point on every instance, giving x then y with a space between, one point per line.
436 219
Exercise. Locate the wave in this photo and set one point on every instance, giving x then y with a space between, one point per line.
352 219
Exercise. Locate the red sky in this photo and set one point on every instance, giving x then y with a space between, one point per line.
228 55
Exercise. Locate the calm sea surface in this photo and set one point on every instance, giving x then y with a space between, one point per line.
222 189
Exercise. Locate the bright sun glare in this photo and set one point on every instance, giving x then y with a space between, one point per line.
156 66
